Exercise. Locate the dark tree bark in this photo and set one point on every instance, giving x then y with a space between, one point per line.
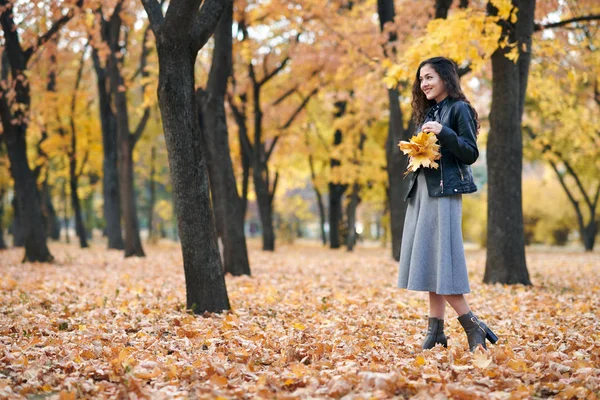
152 194
226 202
396 161
179 36
505 234
110 178
441 8
111 30
320 204
52 224
351 217
354 201
239 113
15 123
65 212
2 242
336 190
51 218
73 174
16 229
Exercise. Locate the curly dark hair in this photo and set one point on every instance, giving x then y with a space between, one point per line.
448 72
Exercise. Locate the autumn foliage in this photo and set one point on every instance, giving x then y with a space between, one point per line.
309 323
422 151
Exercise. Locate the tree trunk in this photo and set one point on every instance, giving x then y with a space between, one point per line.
505 261
73 175
75 202
265 209
15 118
442 7
226 201
2 242
133 243
89 215
321 216
205 283
319 199
125 144
28 201
588 234
65 212
110 178
396 161
17 230
396 165
51 219
336 190
152 194
351 217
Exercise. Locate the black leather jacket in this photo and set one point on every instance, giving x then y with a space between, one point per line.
458 145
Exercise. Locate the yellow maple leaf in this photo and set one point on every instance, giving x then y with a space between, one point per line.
480 359
422 151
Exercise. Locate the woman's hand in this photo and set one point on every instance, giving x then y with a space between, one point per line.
432 126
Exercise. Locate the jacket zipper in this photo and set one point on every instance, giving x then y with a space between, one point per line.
462 178
442 175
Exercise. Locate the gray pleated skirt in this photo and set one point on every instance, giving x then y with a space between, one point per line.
432 256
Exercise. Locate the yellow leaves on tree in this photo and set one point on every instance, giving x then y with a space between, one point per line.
468 36
422 150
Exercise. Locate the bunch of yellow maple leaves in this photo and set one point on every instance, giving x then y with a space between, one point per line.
423 150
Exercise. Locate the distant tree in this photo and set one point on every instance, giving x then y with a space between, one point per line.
226 202
15 101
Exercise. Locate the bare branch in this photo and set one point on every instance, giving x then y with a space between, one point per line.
42 39
155 15
206 20
272 194
143 64
292 90
577 180
299 108
275 71
240 119
574 202
541 27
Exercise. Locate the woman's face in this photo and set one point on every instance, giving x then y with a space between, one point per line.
431 84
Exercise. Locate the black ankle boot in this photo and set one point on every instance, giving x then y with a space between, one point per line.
435 334
477 331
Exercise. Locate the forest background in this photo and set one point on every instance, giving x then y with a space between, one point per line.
194 125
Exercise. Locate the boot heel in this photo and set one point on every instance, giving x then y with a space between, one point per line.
491 336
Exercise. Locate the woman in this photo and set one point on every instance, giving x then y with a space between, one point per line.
432 257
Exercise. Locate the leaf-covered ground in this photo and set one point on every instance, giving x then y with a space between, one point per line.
309 323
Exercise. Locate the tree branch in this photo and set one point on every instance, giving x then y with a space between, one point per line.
272 194
155 15
569 195
275 71
143 64
577 181
241 121
292 90
42 39
206 20
299 108
541 27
